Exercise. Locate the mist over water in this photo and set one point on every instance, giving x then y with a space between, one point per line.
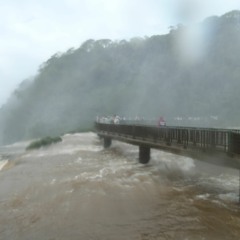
78 190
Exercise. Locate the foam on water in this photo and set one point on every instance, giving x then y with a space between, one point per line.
170 162
229 197
63 149
203 196
68 150
225 181
3 163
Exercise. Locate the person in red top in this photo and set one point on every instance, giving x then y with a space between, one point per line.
161 122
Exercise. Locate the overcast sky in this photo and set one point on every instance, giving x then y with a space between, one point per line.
33 30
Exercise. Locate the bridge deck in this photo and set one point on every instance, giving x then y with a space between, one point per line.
217 146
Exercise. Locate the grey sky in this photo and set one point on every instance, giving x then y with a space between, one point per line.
32 30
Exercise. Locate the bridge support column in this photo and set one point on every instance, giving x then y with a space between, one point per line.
144 154
107 142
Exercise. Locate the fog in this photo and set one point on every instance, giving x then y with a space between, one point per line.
189 75
33 31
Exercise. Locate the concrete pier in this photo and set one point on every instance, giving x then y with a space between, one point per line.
144 154
107 142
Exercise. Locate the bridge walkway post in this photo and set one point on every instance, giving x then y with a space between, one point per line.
144 154
107 141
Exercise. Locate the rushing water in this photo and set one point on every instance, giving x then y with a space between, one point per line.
77 190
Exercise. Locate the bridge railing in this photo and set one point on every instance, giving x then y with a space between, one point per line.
204 138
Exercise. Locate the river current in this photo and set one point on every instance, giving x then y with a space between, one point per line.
77 190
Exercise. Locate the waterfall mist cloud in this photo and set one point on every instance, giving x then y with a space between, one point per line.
32 31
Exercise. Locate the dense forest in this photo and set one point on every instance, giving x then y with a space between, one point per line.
190 76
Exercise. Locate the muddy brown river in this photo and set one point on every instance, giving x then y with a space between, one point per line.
76 190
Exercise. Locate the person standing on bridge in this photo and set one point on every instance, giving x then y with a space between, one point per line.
161 122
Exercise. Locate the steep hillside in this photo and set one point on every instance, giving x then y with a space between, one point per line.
190 72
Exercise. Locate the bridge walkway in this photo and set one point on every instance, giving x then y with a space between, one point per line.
218 146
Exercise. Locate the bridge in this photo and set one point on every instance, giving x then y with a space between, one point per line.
217 146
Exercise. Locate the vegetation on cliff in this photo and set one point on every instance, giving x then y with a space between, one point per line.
46 141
